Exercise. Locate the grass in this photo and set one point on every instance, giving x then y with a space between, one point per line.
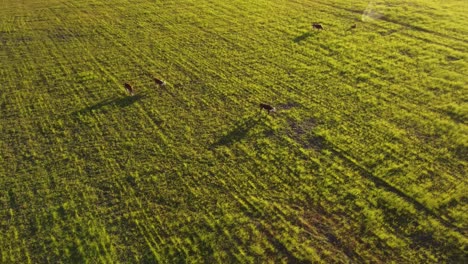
365 160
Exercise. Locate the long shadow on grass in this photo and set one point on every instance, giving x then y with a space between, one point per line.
302 37
120 102
379 182
240 131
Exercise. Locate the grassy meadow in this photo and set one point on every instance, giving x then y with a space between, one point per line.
364 161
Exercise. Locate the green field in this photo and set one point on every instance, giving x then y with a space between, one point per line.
364 161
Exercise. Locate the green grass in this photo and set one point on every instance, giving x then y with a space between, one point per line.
365 160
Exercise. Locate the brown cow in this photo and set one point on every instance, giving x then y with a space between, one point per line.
129 88
267 107
159 82
353 26
317 26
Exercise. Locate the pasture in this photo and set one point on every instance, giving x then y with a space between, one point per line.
363 161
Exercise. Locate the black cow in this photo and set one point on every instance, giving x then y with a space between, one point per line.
159 82
267 107
129 88
317 26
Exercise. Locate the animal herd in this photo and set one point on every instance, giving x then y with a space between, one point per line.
131 91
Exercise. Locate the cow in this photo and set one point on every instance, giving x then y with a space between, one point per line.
317 26
159 82
129 88
353 27
267 107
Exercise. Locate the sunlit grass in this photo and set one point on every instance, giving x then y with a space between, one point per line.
364 160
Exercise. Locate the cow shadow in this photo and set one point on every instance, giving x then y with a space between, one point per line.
241 130
120 102
128 100
302 37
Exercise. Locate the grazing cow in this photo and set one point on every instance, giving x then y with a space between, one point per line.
129 88
267 107
317 26
353 26
159 82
